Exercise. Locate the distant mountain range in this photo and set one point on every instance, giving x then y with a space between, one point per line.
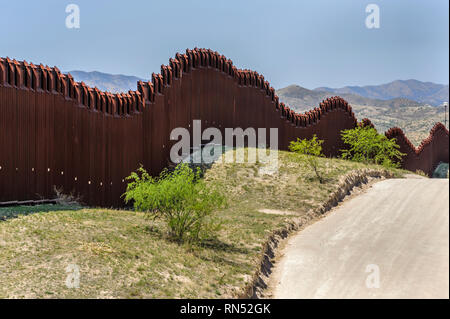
396 93
301 99
422 92
114 83
414 118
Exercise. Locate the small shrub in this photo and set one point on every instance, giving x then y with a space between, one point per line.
180 198
310 150
66 199
368 146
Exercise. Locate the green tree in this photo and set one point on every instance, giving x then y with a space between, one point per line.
366 145
310 150
180 198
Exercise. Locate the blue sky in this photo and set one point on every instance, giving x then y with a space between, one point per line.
309 43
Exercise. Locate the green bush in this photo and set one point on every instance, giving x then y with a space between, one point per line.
310 150
368 146
180 198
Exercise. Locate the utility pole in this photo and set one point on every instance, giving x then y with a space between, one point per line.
445 113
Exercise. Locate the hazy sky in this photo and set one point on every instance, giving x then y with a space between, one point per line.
310 43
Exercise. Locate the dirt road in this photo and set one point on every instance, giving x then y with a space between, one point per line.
392 241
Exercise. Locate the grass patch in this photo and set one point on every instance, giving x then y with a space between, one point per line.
15 211
122 254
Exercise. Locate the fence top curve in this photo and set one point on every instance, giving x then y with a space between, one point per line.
40 78
396 132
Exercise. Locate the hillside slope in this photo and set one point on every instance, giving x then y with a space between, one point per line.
123 254
423 92
303 99
114 83
414 118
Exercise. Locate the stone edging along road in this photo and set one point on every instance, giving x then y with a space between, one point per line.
255 288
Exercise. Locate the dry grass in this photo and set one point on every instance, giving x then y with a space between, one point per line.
121 254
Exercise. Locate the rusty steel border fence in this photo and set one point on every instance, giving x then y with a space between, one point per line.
58 132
